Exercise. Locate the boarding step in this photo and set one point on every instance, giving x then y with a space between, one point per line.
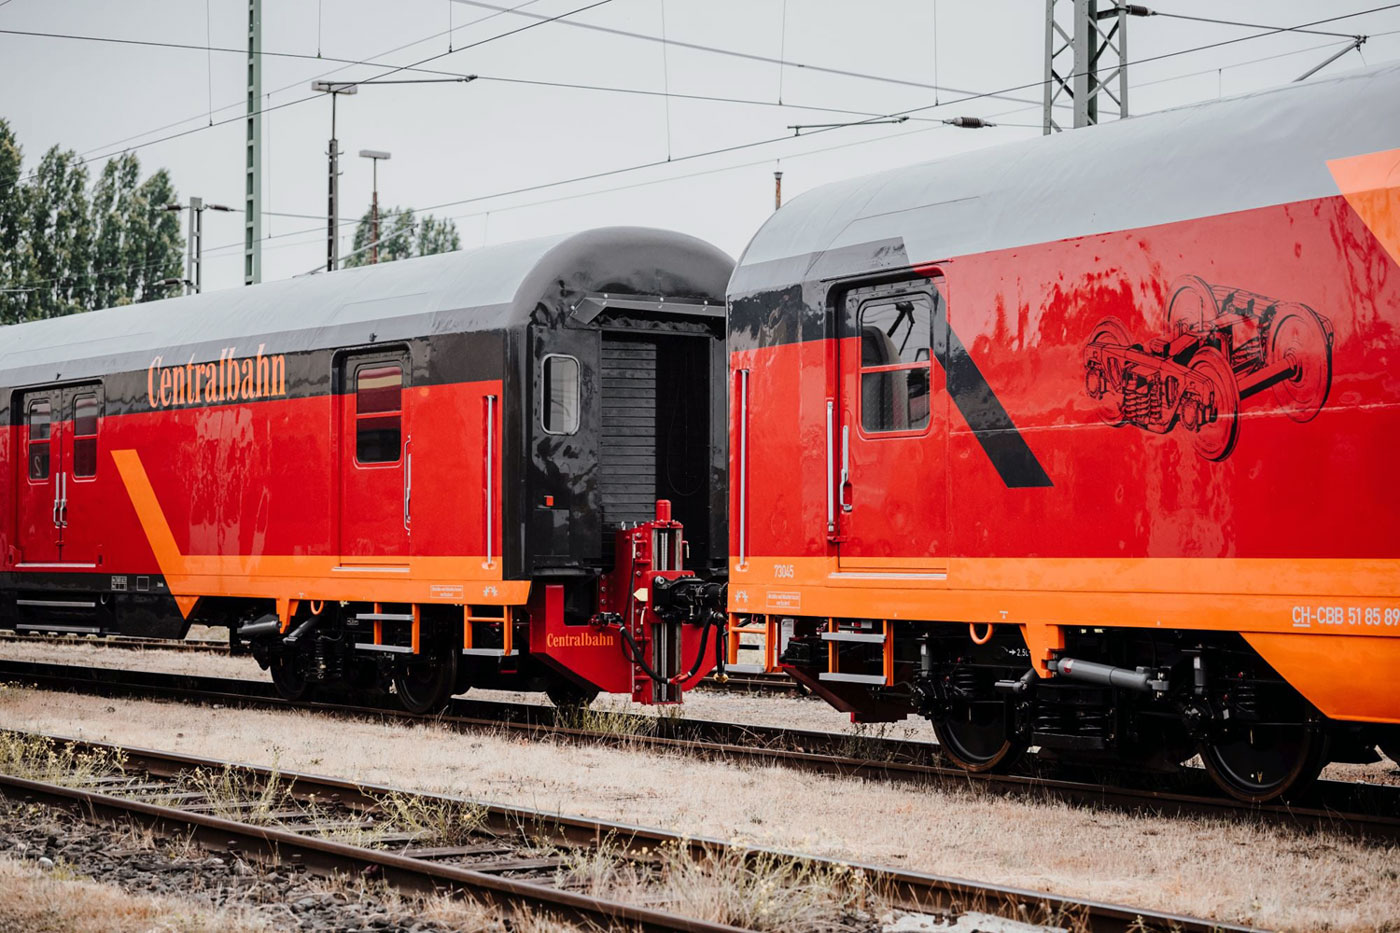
835 637
472 616
768 633
38 603
869 638
839 678
386 649
384 617
60 629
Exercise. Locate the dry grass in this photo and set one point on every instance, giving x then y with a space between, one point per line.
445 910
235 795
56 901
37 758
1267 876
775 894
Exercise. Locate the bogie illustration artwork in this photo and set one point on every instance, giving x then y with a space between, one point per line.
1219 346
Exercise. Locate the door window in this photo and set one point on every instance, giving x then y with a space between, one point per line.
560 400
39 420
894 364
378 413
85 410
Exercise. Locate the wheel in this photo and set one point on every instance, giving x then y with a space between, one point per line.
1216 440
287 675
1267 761
1110 332
567 695
1298 332
1192 304
976 738
425 683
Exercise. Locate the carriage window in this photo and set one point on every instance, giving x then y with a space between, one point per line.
559 406
894 364
39 418
378 414
85 436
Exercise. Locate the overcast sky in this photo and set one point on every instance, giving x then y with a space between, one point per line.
463 145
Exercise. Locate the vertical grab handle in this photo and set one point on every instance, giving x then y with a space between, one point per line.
490 476
407 483
743 468
830 467
845 465
63 502
57 485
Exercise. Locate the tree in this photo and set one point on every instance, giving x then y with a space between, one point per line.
155 248
111 208
402 236
12 263
62 250
58 229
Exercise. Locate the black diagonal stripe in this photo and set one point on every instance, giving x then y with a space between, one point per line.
984 413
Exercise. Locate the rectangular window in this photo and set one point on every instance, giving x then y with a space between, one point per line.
379 414
559 408
894 364
39 417
85 436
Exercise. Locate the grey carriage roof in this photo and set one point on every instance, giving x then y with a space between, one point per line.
467 290
1269 147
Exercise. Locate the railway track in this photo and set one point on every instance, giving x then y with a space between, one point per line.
507 841
1366 810
747 682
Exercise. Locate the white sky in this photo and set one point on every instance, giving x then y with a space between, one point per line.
467 142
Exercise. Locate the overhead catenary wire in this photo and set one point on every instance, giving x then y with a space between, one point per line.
319 230
1230 22
347 63
781 61
756 143
354 83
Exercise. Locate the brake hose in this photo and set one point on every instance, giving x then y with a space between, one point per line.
634 656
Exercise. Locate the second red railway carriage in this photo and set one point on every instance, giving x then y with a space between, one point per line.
1090 440
434 472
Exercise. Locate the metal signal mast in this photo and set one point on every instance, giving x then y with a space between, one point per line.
1086 58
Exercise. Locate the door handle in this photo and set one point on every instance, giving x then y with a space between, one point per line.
63 502
407 484
845 466
57 485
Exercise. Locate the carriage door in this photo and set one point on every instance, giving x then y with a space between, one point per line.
76 466
376 459
891 477
37 483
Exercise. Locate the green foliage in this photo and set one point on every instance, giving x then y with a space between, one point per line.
64 250
401 236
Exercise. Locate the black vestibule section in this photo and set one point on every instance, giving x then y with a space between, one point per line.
655 436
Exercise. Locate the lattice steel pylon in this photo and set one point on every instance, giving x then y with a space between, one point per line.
1086 58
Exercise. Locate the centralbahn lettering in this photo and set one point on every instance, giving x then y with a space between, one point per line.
229 379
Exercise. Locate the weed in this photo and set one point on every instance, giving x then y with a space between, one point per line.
607 720
235 794
753 890
437 821
40 758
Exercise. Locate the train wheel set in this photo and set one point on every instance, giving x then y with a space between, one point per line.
1114 483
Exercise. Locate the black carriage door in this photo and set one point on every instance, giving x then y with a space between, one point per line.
564 476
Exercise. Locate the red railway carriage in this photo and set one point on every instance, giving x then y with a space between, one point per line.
1089 441
434 473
